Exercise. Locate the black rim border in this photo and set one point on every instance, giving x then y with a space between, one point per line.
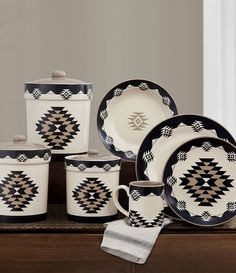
172 201
174 122
110 95
93 219
58 88
29 153
23 218
90 164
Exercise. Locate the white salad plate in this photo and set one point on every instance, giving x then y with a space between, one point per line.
200 181
128 112
166 137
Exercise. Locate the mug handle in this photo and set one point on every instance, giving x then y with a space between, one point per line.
115 196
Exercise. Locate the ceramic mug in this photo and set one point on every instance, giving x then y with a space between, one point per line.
146 203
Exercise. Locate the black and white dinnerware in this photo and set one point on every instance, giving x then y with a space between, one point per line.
146 203
200 181
58 113
166 137
90 180
128 112
23 181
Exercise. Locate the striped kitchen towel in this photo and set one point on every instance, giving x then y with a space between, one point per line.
130 243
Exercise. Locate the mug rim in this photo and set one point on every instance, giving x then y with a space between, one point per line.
146 184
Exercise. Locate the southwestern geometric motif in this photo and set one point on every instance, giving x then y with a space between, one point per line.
206 216
197 126
36 93
166 101
148 156
57 128
137 220
129 154
231 206
17 190
92 195
66 94
166 131
143 86
206 182
135 195
231 156
138 121
171 180
181 205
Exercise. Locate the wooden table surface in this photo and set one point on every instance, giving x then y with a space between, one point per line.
57 223
59 246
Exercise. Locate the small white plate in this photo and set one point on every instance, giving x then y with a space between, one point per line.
128 112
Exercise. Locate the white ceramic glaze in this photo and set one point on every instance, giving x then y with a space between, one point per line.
24 169
146 203
90 181
58 113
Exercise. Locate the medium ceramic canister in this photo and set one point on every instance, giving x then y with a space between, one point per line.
23 181
90 180
58 113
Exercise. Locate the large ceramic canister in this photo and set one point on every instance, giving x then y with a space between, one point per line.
23 181
58 113
90 180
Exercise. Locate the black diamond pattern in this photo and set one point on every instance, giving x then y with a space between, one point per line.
66 94
137 220
143 86
166 131
148 156
135 195
182 156
197 126
17 190
92 195
57 128
206 182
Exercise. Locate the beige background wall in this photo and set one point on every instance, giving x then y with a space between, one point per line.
103 42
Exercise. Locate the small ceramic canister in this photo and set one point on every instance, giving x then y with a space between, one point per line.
23 181
58 113
90 180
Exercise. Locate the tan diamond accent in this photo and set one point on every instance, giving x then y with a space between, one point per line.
138 121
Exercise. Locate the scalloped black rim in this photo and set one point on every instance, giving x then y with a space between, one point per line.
90 164
110 95
28 153
174 122
185 215
58 88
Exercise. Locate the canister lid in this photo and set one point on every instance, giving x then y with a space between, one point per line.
58 84
22 151
90 160
58 77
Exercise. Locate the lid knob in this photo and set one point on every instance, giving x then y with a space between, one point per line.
19 139
58 75
93 152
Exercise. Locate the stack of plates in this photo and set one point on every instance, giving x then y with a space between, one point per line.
193 155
